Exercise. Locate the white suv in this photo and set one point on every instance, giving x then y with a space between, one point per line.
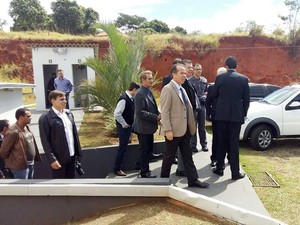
275 116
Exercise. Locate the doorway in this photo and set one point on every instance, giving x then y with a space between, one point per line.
79 74
49 73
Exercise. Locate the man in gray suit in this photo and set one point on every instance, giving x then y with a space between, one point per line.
178 125
232 95
147 118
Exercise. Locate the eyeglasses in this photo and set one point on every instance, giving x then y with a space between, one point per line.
197 69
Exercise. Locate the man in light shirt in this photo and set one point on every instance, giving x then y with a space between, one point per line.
61 83
124 115
59 137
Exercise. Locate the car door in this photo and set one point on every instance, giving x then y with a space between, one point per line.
291 117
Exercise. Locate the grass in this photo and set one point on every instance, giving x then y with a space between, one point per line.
282 162
154 212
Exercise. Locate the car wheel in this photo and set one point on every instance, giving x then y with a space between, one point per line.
261 138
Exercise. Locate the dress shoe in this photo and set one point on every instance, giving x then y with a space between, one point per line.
204 149
213 163
175 161
239 176
120 173
148 175
180 173
195 149
198 183
218 172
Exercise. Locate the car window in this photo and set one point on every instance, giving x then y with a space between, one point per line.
257 91
277 97
272 88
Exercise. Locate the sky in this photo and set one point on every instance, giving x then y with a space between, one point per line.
205 16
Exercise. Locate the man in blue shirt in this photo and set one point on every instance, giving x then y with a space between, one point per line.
63 84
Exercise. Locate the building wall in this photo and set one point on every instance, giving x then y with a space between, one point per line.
64 58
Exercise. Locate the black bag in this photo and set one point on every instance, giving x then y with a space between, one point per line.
78 167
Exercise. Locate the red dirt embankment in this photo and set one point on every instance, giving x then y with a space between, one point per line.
262 59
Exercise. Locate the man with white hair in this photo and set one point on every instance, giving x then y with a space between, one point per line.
210 105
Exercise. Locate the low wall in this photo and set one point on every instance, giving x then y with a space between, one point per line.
98 162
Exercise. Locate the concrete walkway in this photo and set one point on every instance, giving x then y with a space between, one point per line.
239 193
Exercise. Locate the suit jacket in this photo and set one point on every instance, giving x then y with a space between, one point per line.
210 104
173 112
231 91
146 112
53 137
191 93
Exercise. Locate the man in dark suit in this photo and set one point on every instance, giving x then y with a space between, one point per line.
147 118
210 105
178 125
232 95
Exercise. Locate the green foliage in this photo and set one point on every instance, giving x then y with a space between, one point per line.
254 29
115 70
27 15
179 30
128 22
157 25
10 73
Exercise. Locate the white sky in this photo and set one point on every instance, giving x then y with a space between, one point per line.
207 16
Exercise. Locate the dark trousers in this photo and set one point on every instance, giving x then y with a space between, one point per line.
200 126
184 146
214 150
146 149
228 141
67 98
66 171
124 135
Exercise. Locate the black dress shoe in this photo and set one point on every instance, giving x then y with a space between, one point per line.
239 176
195 149
218 172
180 173
120 173
213 163
148 175
198 183
204 149
175 161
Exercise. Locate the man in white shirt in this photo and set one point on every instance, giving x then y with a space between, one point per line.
124 115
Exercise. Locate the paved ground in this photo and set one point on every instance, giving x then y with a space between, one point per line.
239 193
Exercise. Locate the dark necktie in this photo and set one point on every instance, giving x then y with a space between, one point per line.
185 102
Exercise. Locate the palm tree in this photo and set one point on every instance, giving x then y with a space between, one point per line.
115 70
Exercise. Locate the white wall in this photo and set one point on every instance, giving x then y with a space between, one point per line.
56 56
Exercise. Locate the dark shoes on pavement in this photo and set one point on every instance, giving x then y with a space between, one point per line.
120 173
194 149
148 175
205 149
239 176
180 173
213 163
218 172
198 183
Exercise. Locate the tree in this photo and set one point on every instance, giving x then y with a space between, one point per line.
254 29
115 70
180 30
158 26
68 16
292 19
27 15
91 19
128 23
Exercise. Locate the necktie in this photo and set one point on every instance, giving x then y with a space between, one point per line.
185 102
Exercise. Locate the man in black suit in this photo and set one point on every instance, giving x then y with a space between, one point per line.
232 95
147 118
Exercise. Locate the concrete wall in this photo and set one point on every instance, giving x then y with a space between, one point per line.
99 162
